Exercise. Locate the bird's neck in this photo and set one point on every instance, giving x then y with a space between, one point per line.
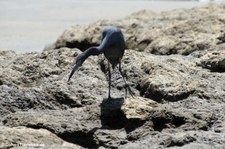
92 51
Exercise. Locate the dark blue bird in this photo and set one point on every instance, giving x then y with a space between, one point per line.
113 47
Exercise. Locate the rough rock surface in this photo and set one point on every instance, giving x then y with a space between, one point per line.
174 63
31 138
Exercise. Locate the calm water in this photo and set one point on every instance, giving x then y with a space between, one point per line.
27 26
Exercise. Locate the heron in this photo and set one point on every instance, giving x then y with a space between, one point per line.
113 46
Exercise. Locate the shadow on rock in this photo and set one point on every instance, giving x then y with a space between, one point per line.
111 114
114 117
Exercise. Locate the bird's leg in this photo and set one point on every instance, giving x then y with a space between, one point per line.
127 86
109 71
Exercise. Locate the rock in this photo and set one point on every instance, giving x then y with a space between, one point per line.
186 140
174 63
32 79
165 33
162 81
5 57
70 125
214 61
31 138
112 124
139 105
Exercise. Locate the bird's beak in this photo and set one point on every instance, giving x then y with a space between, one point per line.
75 67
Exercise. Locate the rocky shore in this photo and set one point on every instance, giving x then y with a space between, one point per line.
174 62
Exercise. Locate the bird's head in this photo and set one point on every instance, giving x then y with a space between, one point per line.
79 61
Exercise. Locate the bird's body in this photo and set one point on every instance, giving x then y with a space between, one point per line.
113 44
113 47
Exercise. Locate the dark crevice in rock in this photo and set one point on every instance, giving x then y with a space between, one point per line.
117 121
132 124
221 39
83 45
221 70
81 138
205 128
114 118
179 96
1 82
111 114
64 99
160 123
154 95
40 126
216 69
215 63
159 97
181 142
144 43
104 66
76 137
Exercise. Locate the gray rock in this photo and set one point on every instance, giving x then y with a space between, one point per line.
174 32
22 137
174 63
214 61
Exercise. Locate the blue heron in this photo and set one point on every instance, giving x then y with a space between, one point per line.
113 47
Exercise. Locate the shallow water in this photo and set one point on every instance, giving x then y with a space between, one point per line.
27 26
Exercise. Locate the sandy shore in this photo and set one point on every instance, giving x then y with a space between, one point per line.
26 26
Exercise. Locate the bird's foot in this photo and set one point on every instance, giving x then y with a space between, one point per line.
109 97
